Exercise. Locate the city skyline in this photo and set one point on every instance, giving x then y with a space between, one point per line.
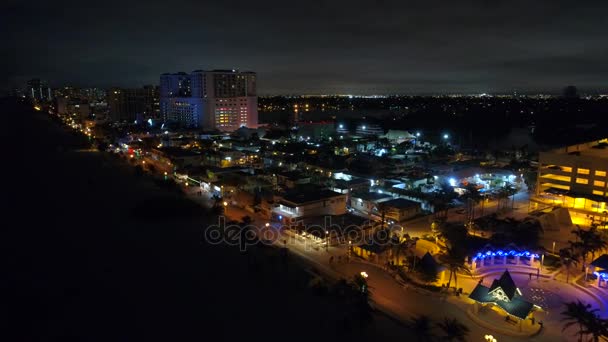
301 49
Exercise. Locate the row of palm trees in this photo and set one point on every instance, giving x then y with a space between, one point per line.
444 197
588 242
450 329
586 319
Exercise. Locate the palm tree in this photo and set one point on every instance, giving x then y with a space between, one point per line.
598 328
382 209
580 314
587 242
399 247
421 328
511 192
526 233
596 241
472 197
453 260
568 258
453 330
443 200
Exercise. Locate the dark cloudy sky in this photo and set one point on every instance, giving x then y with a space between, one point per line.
362 47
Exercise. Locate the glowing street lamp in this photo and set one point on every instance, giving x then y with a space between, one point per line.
445 136
225 204
364 274
267 224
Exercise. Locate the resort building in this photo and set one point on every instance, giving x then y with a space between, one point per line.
575 177
504 294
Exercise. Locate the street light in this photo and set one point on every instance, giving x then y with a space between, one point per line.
445 136
225 204
490 338
327 240
364 274
418 134
267 224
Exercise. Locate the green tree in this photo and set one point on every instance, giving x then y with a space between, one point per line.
530 178
454 234
453 260
597 241
421 327
442 200
472 198
582 316
525 233
504 193
587 242
568 258
453 330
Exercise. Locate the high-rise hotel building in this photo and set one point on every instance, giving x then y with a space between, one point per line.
576 177
217 99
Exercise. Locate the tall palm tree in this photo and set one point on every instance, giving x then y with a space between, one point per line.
527 232
511 192
399 248
597 241
382 209
472 197
421 328
581 315
568 258
587 242
453 330
597 328
453 260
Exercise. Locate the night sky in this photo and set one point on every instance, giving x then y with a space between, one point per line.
360 47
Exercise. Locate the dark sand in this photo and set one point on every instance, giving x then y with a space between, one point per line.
82 266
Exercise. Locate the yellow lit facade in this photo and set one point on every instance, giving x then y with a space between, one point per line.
576 177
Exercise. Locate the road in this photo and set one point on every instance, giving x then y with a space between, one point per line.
387 294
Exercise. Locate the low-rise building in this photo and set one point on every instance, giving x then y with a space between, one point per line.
177 156
400 209
290 179
299 204
367 202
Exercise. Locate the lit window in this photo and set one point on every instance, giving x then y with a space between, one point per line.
582 171
600 193
582 181
600 173
566 169
599 183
